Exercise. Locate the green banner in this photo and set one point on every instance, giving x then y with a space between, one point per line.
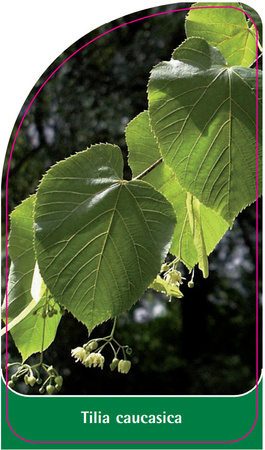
132 422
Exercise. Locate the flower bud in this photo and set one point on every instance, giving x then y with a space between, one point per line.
164 267
92 346
31 380
59 380
50 389
50 370
124 366
190 284
26 379
11 384
114 364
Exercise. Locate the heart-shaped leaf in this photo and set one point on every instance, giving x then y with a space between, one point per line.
100 240
203 114
143 152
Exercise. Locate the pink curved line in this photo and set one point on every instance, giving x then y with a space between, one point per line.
6 247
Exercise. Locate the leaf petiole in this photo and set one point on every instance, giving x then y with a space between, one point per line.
148 170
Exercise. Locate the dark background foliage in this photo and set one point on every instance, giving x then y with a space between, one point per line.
202 344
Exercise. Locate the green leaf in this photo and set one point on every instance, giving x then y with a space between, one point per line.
21 252
20 317
255 18
28 334
203 115
26 328
100 240
225 28
143 152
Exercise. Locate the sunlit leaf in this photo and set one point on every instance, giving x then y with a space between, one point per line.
28 334
254 17
225 28
21 253
143 152
203 114
26 328
100 240
19 317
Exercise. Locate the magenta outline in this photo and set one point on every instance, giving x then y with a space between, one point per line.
8 169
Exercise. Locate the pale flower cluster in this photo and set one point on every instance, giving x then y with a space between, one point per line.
91 358
79 353
87 358
94 360
174 277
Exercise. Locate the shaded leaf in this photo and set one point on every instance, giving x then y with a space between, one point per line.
143 152
100 240
203 115
225 28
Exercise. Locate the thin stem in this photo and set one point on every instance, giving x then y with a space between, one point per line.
113 327
42 342
149 169
43 331
256 60
22 372
124 354
113 349
13 364
175 261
